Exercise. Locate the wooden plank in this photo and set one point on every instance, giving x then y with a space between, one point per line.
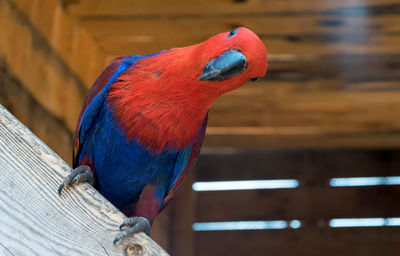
301 242
304 203
20 102
207 7
316 113
338 72
299 140
317 165
51 25
34 219
311 34
183 211
174 224
49 79
334 109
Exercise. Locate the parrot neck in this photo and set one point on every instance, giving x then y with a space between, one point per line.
157 106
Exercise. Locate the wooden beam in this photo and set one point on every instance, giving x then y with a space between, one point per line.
306 112
209 7
313 200
309 34
20 102
51 25
308 204
35 220
306 241
183 212
314 167
335 71
28 56
389 139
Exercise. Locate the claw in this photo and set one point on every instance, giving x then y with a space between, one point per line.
137 224
80 174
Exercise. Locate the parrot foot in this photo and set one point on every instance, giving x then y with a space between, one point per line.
136 225
79 174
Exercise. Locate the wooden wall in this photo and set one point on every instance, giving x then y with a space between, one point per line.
313 203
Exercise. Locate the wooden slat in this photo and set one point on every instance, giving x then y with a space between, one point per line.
182 210
50 79
347 140
207 7
310 34
298 140
348 70
301 242
49 25
292 104
317 166
16 98
306 204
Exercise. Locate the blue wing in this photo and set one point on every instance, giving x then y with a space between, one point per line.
96 96
184 164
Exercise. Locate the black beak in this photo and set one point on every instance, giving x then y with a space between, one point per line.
227 65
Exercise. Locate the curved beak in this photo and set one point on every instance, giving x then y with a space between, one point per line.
227 65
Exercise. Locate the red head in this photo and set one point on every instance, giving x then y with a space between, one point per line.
165 98
242 41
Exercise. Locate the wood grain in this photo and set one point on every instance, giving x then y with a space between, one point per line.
183 211
301 242
307 34
87 8
34 220
312 167
308 204
299 140
313 200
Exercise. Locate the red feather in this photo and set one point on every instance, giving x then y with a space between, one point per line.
160 101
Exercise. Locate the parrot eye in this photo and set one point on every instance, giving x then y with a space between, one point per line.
233 32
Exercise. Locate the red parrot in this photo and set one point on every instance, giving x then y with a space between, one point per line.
142 124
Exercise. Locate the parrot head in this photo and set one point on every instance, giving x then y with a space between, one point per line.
228 60
220 64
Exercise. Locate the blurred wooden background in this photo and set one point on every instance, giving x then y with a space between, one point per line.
328 107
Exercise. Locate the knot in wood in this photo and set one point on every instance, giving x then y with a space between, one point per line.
133 249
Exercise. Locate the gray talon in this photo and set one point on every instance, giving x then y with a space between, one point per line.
80 174
137 224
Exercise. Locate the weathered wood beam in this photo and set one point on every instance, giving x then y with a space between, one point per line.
34 220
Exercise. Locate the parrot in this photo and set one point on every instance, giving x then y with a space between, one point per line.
143 122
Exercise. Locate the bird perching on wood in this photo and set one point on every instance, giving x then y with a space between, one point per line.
143 122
